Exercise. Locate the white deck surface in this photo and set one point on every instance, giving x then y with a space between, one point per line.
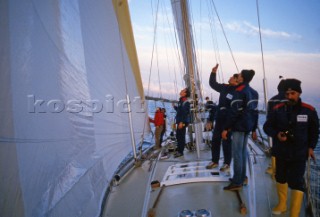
134 196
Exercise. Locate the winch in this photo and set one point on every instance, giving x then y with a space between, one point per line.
195 213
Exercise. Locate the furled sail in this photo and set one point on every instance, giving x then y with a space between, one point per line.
180 9
65 75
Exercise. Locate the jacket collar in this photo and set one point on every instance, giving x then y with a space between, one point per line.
183 99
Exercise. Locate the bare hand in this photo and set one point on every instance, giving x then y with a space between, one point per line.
254 136
180 126
209 125
311 154
174 126
214 69
224 135
282 137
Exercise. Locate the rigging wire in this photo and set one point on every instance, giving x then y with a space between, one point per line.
215 41
261 47
191 59
178 57
225 36
179 50
262 56
187 58
153 44
154 38
175 78
159 81
201 53
198 73
193 36
124 70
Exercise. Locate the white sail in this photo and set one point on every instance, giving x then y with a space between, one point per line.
65 75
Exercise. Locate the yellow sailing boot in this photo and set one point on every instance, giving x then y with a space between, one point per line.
282 190
296 201
269 169
272 169
273 165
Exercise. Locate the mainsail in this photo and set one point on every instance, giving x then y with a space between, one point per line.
65 76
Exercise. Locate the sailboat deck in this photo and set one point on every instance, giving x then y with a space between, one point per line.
134 197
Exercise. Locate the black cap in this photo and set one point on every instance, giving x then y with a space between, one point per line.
293 84
282 85
187 92
247 75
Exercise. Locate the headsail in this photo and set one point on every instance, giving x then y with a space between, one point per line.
63 105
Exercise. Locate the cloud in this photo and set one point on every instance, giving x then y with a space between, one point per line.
303 66
247 28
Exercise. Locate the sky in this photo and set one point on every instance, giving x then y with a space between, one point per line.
290 37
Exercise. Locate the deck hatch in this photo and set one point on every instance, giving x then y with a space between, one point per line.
196 171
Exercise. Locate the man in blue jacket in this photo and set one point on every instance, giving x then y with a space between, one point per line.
242 119
294 127
225 98
182 120
280 97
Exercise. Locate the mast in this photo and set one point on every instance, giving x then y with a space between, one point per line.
181 13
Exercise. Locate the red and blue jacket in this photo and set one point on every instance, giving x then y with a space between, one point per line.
301 123
243 113
183 111
225 97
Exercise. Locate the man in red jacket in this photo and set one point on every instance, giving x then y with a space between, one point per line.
158 123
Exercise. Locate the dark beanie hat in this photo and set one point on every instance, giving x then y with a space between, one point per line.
293 84
188 92
281 85
247 75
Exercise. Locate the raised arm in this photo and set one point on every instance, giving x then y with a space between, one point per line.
213 80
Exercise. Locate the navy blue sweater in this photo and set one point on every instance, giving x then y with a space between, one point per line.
183 111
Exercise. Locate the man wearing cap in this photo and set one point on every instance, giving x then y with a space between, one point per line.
294 127
242 119
280 97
